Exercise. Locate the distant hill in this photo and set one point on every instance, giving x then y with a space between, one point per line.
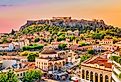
68 22
57 24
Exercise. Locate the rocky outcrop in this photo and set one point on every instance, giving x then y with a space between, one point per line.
68 22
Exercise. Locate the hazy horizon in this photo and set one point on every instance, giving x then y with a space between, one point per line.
15 13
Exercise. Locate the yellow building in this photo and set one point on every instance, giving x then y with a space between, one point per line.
21 72
49 59
96 69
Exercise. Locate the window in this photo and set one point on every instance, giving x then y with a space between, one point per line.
45 63
106 78
96 77
21 74
87 75
83 75
101 78
91 76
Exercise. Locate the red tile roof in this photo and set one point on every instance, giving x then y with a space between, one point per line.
100 61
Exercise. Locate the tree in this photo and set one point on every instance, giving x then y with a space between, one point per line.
60 38
31 57
32 46
84 57
25 53
91 51
4 40
62 46
8 77
60 33
71 38
32 75
13 32
77 40
82 44
119 60
114 58
37 40
98 36
119 75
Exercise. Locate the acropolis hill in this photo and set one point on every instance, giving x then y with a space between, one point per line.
68 22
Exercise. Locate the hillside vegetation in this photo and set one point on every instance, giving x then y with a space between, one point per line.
98 33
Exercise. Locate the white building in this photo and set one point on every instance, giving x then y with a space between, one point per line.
98 47
8 63
7 47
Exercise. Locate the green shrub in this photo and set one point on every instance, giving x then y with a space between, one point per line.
62 46
33 46
85 57
91 52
